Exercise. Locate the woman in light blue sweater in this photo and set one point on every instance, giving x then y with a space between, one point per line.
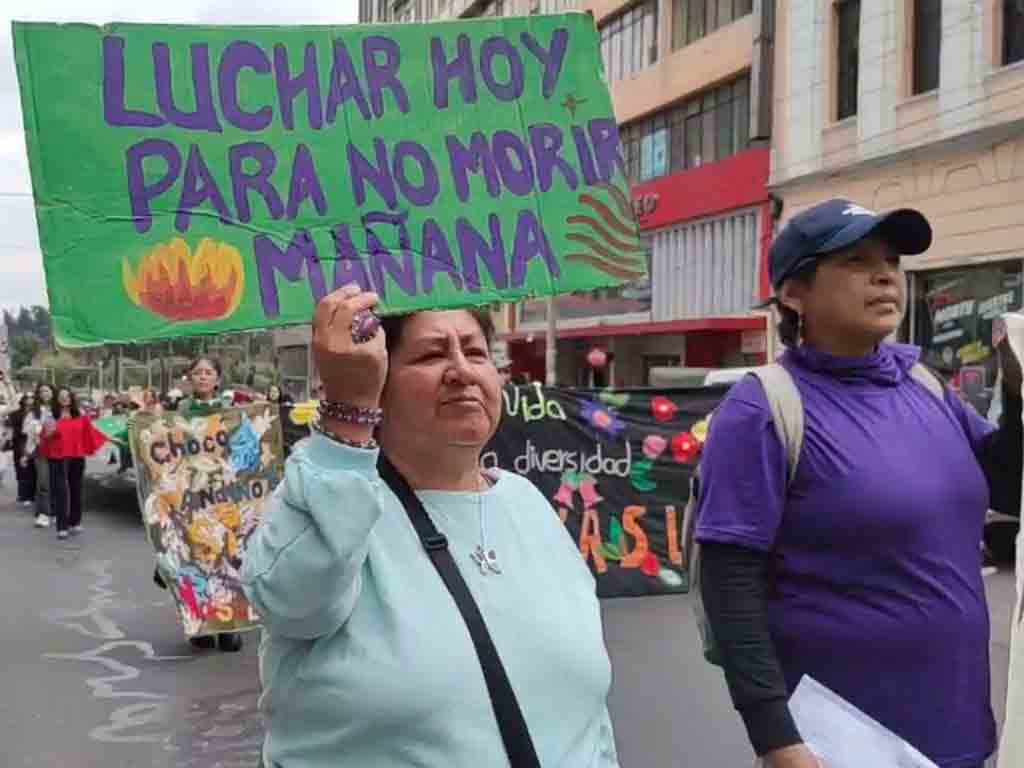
366 660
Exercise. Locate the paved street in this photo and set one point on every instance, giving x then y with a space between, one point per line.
97 674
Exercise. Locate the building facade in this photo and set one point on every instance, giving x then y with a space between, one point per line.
920 104
691 87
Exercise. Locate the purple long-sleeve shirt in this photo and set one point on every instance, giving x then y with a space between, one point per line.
877 591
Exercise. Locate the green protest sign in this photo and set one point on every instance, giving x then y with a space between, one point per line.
193 180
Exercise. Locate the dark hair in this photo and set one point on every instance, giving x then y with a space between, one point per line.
394 325
37 407
213 361
56 406
788 326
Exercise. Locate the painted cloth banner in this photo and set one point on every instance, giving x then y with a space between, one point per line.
615 465
202 485
1011 749
193 180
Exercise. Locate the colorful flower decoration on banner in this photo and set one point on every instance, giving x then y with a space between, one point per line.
663 409
700 429
614 399
604 421
640 476
176 283
303 414
654 446
685 447
245 447
650 565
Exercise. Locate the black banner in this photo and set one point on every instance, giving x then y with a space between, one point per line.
615 465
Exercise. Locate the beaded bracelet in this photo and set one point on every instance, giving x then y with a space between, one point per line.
363 445
350 414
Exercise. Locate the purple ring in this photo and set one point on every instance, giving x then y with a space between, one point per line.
365 325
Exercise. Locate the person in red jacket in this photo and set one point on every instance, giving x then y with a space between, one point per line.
66 443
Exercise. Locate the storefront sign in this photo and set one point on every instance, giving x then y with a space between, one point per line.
197 180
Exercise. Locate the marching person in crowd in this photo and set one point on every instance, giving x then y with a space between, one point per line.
205 373
151 402
864 571
67 440
277 397
366 659
24 467
38 418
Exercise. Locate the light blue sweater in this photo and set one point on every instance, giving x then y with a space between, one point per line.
365 660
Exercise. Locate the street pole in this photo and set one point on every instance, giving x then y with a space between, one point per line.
550 345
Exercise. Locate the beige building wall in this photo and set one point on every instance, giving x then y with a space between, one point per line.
976 93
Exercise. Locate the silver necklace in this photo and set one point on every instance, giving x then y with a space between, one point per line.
485 557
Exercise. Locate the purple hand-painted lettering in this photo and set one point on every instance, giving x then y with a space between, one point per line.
298 257
382 261
288 87
237 56
473 245
583 152
379 176
531 241
204 118
197 187
345 85
259 181
382 73
349 267
461 68
604 136
114 110
475 158
426 191
514 162
492 48
140 194
305 184
546 143
437 257
552 58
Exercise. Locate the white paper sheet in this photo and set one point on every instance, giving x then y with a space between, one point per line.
843 736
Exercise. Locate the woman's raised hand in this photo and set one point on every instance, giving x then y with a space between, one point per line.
349 347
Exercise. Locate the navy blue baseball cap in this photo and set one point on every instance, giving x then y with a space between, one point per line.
836 224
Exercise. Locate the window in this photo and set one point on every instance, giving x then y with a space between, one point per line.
1013 31
693 19
847 58
927 44
629 42
712 126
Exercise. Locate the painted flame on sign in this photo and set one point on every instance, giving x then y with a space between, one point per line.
174 282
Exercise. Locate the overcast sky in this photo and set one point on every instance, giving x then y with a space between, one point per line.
21 263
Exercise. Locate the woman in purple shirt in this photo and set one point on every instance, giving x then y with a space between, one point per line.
864 572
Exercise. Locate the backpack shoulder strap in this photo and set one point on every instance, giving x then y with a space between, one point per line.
787 410
929 380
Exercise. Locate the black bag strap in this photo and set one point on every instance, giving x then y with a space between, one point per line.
514 733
